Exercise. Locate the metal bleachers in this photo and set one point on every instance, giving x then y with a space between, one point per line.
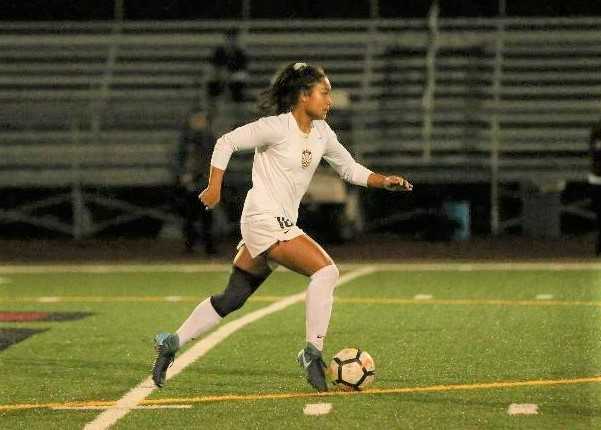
526 105
493 100
134 82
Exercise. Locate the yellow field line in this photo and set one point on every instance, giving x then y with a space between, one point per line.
409 266
502 302
259 298
275 396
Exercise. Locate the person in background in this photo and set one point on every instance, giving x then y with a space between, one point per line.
192 161
594 179
230 69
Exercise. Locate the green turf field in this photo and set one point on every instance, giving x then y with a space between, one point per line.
457 359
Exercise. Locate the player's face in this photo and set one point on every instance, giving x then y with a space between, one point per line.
319 100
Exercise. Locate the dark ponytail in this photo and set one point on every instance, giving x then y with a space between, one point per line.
283 93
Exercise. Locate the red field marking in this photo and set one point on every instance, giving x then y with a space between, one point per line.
22 316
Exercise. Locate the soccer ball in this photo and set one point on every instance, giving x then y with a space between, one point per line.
352 369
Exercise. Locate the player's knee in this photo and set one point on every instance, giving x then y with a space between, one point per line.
335 272
240 287
329 274
225 304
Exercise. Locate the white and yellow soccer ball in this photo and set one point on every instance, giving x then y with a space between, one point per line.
352 369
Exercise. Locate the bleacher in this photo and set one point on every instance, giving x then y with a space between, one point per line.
461 100
548 96
109 98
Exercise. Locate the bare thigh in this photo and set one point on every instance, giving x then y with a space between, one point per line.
301 254
256 266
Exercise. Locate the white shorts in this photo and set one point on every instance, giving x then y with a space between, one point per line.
259 234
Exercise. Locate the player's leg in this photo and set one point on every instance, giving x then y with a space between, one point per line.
303 255
247 275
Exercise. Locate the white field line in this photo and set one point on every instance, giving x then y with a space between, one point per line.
485 267
112 268
522 409
317 408
544 296
131 399
548 265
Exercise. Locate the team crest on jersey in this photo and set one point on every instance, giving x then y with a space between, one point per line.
306 158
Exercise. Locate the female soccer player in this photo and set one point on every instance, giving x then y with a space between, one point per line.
288 148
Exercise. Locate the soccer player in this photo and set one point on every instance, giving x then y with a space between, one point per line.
288 148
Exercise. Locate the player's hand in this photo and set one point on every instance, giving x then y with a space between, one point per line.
397 183
210 197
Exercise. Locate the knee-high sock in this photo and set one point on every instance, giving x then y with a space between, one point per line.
318 304
202 319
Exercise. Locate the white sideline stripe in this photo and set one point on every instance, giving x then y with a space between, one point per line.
443 266
446 266
544 296
113 268
423 297
102 408
131 399
173 298
317 408
523 409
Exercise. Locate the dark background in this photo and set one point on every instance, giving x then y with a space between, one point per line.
81 10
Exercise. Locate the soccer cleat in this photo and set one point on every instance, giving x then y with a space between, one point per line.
310 360
165 345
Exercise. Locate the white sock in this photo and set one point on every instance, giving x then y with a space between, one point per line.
202 319
318 304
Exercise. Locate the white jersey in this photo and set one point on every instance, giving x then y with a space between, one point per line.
284 163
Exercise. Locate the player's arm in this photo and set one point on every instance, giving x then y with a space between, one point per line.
258 133
211 195
351 171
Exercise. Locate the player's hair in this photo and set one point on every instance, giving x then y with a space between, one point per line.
282 94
